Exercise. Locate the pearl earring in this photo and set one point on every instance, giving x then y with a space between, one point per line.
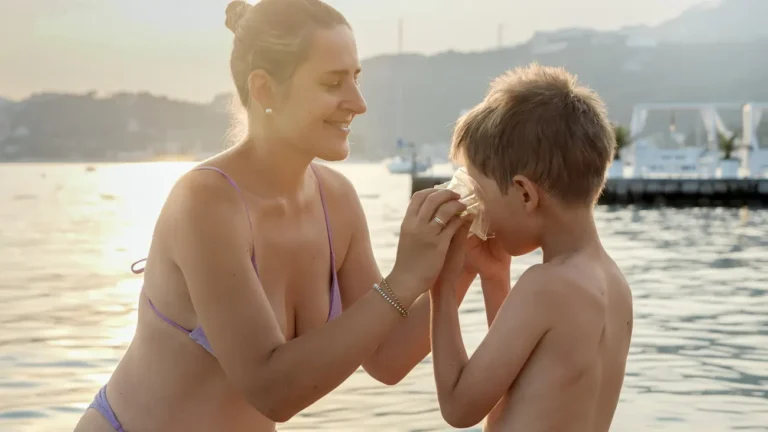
268 111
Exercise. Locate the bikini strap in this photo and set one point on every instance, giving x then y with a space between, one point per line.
134 270
237 188
245 204
327 221
165 318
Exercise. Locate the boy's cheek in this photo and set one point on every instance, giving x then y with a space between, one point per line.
515 238
496 228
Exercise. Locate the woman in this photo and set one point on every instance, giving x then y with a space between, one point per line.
257 251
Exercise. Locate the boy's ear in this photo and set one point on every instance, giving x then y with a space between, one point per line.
528 192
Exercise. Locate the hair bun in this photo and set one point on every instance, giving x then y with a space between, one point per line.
236 10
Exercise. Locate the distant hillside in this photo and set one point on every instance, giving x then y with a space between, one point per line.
712 52
718 20
418 97
710 21
121 126
437 88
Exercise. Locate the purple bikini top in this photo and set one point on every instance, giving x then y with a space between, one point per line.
198 334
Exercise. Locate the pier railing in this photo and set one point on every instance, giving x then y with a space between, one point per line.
670 192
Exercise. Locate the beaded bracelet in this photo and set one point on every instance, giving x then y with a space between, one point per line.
385 284
394 303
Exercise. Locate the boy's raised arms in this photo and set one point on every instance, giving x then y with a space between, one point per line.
469 388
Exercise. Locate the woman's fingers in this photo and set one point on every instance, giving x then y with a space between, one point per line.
449 210
433 202
417 201
452 227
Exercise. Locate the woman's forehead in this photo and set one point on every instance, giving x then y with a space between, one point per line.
333 51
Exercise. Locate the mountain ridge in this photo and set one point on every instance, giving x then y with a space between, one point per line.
416 97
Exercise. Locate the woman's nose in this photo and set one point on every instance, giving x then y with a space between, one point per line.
356 102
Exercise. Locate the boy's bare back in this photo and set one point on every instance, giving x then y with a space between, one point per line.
573 378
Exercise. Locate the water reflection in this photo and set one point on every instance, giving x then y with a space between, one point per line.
68 303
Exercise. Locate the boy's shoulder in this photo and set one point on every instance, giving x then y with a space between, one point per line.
575 291
561 283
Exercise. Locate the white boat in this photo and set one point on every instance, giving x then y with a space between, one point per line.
401 165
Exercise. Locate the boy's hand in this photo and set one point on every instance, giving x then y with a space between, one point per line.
487 258
454 258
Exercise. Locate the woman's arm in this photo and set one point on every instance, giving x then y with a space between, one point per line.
277 377
408 343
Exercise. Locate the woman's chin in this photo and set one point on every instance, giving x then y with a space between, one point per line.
334 152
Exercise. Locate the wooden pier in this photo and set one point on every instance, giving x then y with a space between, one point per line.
666 192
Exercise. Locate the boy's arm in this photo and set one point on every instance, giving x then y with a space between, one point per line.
494 293
468 389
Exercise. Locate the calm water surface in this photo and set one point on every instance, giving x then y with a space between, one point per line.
699 358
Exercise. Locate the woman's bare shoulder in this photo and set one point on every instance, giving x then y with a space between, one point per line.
201 201
343 204
335 184
202 194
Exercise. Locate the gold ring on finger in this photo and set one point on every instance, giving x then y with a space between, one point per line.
439 222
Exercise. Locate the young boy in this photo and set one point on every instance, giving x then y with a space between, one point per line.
554 357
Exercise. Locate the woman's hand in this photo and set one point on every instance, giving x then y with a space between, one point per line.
430 222
488 259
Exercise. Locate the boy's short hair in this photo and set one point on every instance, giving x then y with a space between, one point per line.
538 122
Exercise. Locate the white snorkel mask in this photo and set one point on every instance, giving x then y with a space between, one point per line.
465 186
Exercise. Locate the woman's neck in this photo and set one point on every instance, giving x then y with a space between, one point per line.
278 169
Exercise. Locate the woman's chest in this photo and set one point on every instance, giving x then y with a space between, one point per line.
296 267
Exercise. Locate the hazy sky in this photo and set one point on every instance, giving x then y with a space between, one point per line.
181 48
